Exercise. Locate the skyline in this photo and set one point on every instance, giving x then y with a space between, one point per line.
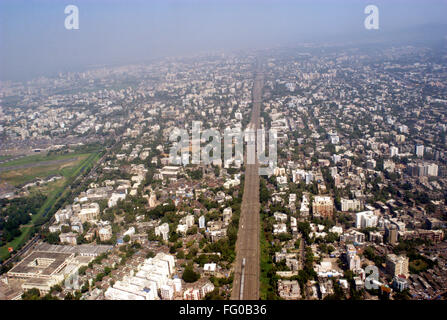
34 42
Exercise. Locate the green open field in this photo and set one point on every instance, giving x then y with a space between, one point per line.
418 265
5 158
54 191
26 170
38 158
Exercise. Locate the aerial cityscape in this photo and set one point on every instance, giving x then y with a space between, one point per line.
309 170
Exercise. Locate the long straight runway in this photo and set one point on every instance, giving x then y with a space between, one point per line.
247 268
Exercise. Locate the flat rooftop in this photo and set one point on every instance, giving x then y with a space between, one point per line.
83 249
41 263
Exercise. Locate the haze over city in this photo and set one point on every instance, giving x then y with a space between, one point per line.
242 151
34 41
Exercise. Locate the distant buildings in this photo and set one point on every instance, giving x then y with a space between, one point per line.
371 164
423 169
89 212
310 151
352 236
400 283
333 137
279 228
352 258
170 171
389 165
152 201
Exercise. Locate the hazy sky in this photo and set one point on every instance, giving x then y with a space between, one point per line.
34 41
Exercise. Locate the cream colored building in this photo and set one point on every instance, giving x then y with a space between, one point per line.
397 265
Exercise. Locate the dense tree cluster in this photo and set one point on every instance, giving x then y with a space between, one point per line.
17 212
189 275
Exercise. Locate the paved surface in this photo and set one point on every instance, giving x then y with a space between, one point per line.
246 277
12 159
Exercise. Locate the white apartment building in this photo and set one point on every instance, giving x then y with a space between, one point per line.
394 151
202 222
227 214
419 150
115 198
351 204
162 230
366 219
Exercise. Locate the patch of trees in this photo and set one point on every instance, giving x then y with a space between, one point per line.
189 275
160 210
195 174
53 238
338 293
304 229
215 295
208 203
16 212
223 246
408 247
346 220
284 236
34 294
31 294
308 272
264 193
323 247
178 244
370 254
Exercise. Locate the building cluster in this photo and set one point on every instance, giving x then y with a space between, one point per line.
361 168
360 178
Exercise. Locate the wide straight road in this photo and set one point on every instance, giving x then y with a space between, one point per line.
246 276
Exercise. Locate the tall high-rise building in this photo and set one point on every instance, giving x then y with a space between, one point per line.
397 265
432 170
366 219
391 234
419 150
394 151
322 206
423 169
202 222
